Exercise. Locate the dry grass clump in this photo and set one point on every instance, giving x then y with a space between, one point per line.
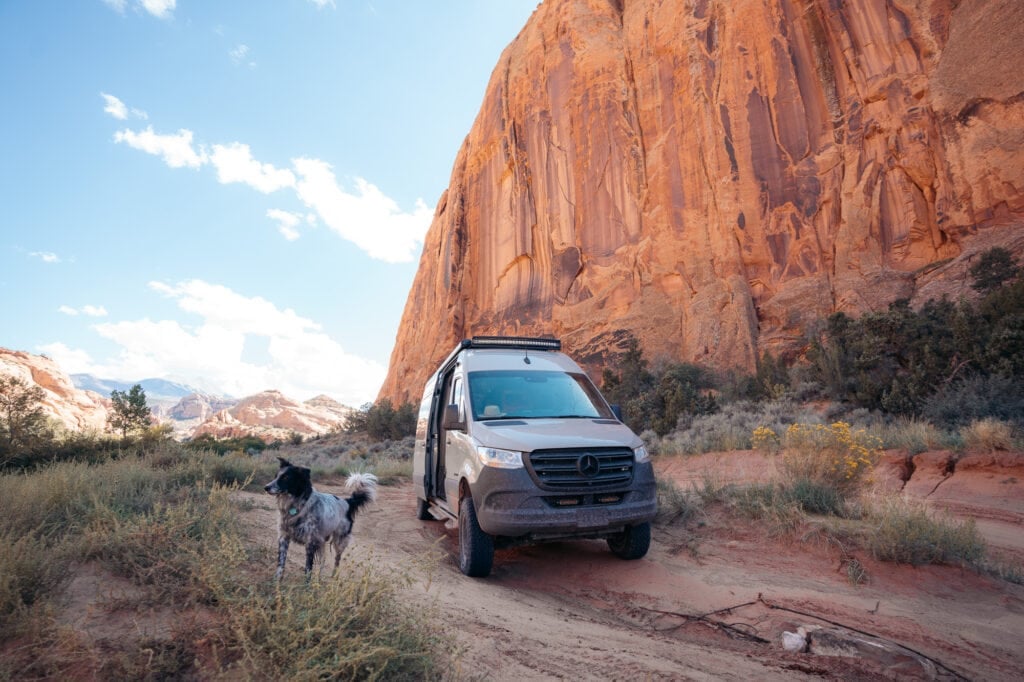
914 436
905 532
172 528
986 435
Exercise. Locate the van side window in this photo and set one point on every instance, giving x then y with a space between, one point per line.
455 396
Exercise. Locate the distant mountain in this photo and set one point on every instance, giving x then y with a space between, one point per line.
270 415
162 395
154 388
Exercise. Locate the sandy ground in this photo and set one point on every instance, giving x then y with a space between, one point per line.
572 610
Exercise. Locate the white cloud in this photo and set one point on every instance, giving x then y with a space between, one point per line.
320 4
234 163
160 9
90 310
302 361
119 110
287 223
176 150
114 106
367 218
46 256
239 55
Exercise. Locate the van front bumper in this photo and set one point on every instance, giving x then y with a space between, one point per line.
509 503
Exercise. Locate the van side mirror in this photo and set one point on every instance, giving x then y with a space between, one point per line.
450 420
617 411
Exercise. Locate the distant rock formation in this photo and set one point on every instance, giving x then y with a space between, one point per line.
76 409
272 416
713 175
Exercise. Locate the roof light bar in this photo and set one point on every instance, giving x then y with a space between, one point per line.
524 342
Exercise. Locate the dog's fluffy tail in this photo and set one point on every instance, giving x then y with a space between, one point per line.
362 487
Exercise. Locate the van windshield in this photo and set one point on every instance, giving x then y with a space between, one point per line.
534 394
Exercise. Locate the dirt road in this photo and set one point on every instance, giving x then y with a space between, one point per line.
572 610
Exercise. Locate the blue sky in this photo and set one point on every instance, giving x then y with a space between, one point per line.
230 194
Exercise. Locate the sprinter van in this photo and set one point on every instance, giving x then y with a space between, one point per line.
514 444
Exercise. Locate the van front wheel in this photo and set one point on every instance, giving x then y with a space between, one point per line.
632 543
476 548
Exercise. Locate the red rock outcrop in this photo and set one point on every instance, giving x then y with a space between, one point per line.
270 415
76 409
712 175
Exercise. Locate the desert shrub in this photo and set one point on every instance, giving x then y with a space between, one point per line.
986 435
903 531
732 427
765 439
974 398
913 435
250 445
657 400
926 361
833 456
383 421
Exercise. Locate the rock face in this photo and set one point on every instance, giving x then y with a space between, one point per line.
272 416
713 175
76 409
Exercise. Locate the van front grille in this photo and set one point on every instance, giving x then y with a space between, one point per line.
583 467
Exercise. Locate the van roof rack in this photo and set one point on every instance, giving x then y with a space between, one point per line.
523 342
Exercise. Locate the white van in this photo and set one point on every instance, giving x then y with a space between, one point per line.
515 445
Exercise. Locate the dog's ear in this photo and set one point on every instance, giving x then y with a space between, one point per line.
284 462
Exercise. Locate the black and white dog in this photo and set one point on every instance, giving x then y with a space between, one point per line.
313 518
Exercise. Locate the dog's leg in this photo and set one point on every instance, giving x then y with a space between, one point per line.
339 547
312 549
282 555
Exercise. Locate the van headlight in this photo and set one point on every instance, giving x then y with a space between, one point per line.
640 454
501 459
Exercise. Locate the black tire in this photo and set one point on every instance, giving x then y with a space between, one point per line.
423 510
631 543
476 548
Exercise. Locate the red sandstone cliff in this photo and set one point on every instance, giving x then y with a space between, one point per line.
74 409
712 175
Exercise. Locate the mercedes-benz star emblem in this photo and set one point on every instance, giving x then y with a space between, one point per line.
588 466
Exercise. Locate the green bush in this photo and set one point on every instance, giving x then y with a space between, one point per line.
382 421
657 400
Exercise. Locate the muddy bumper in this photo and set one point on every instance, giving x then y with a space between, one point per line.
509 503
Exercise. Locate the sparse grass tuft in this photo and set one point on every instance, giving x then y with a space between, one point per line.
903 531
913 435
986 435
675 505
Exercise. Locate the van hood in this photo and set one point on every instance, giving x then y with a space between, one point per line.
528 435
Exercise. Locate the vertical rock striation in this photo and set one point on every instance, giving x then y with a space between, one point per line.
713 175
